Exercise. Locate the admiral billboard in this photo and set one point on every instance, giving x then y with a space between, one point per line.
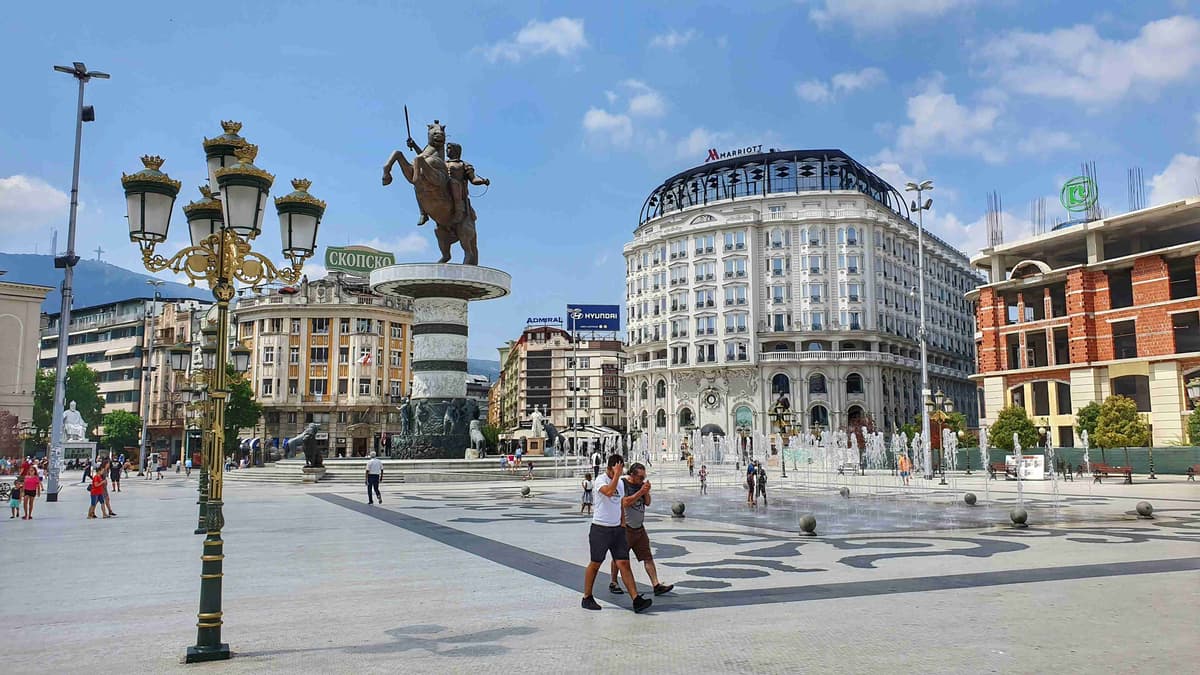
594 317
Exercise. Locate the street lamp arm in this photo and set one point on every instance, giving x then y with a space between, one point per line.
222 251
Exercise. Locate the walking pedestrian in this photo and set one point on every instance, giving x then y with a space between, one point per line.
691 460
905 466
528 471
751 472
105 472
87 471
596 464
96 492
374 476
31 487
187 466
760 483
114 475
14 499
703 479
606 536
633 522
586 502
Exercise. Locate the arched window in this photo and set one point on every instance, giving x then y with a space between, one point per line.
660 389
781 384
854 383
645 391
686 419
813 347
855 414
819 416
816 383
645 420
851 236
660 419
1136 387
841 235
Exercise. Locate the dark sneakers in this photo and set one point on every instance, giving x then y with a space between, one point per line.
663 589
641 603
589 603
615 589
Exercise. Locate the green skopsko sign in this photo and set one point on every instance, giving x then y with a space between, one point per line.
357 260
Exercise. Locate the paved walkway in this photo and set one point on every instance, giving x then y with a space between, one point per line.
453 578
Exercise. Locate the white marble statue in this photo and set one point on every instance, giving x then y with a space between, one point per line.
74 428
535 423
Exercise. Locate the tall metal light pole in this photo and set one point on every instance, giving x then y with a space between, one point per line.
149 370
921 207
66 262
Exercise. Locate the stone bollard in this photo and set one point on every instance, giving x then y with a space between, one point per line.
525 491
1145 510
677 509
808 525
845 492
1019 517
970 498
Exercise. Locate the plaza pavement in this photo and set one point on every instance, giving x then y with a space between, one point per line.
448 578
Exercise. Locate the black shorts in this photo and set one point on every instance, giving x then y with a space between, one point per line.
604 540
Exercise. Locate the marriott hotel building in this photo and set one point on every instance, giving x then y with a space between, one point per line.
788 277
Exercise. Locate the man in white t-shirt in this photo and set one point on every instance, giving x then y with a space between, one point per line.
608 536
374 475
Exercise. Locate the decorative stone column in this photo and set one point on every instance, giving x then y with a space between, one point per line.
438 415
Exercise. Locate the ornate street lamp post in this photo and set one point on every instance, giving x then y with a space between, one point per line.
221 255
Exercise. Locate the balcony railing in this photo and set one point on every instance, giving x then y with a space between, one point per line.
844 355
645 365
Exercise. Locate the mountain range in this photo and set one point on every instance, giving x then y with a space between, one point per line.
96 282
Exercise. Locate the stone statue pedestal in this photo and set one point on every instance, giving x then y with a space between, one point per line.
535 447
441 412
313 474
79 450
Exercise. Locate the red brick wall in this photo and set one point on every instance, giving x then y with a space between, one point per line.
1086 292
989 319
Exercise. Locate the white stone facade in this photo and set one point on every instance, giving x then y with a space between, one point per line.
732 302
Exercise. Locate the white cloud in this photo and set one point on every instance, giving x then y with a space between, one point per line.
970 238
869 15
816 91
698 141
893 173
1078 64
28 203
616 128
407 244
644 101
938 122
562 36
1180 179
1044 141
673 39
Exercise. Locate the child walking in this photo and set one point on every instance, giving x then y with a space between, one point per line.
585 506
703 479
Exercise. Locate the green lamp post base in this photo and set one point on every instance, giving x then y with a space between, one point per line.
202 654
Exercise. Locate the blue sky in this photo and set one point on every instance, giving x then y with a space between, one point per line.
577 110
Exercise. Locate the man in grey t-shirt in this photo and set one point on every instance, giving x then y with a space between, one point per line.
638 489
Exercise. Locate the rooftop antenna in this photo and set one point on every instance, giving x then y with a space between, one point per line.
1136 187
1089 171
1037 215
995 219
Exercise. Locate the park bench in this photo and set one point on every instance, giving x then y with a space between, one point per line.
852 466
998 467
1100 470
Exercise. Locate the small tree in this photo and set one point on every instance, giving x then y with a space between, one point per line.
81 388
1012 419
121 428
241 410
1120 426
491 435
1085 419
1193 427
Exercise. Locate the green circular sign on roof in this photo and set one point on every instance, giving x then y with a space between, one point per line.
1078 194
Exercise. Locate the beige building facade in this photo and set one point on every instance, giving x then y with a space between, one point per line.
20 317
328 352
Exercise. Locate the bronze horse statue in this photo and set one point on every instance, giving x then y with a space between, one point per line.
440 188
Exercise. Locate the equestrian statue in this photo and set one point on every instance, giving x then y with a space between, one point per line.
439 178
